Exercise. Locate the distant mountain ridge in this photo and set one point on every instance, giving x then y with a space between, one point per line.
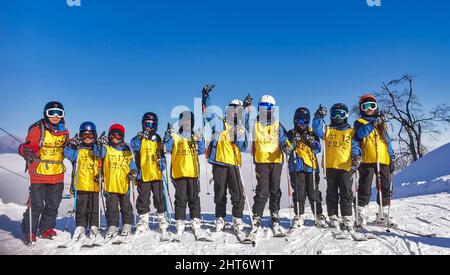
8 145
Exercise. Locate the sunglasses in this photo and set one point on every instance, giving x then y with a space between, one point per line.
301 122
115 135
87 136
369 106
266 105
55 112
339 114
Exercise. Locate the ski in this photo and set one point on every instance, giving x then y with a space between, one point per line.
121 239
358 237
72 242
423 235
242 238
279 232
338 234
202 236
164 236
178 237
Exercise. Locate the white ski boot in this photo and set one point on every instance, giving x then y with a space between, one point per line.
278 230
181 225
126 230
238 224
384 218
348 223
334 222
298 222
95 233
220 224
163 224
142 225
80 233
361 220
112 232
321 221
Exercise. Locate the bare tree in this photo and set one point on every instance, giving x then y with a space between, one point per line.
409 121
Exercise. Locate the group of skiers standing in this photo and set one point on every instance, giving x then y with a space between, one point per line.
105 167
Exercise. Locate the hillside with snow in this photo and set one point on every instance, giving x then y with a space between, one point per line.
422 205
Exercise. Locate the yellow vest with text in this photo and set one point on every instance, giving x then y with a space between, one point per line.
227 152
52 150
149 157
369 145
88 166
306 153
338 146
267 148
184 158
116 167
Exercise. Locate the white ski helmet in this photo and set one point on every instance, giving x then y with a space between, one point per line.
236 102
268 99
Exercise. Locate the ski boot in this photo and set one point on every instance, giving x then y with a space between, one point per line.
361 220
298 222
220 224
142 225
238 224
163 224
95 233
334 222
321 221
348 223
112 232
126 230
278 230
384 218
80 232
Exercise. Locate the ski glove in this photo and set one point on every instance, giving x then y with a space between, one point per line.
29 155
287 148
392 166
248 101
133 175
308 139
75 142
321 112
356 162
207 89
103 139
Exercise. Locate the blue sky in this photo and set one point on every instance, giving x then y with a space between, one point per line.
111 61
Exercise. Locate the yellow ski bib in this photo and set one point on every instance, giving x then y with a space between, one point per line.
52 150
116 167
227 152
87 171
184 158
369 145
306 153
267 148
338 146
149 157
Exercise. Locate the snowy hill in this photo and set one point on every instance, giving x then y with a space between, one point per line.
8 145
429 175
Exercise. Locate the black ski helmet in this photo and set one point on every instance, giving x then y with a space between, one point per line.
52 105
338 121
302 113
150 116
187 115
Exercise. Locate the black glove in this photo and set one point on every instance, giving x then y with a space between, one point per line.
321 112
144 135
207 89
356 162
133 175
75 142
381 118
308 139
29 155
103 139
248 101
287 148
392 167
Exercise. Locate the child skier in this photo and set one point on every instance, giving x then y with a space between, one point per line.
86 185
43 151
268 138
303 147
371 133
342 159
150 160
118 169
185 146
229 140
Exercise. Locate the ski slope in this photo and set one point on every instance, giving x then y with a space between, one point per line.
426 214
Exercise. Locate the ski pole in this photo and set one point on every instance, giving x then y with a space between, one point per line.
297 188
324 133
315 192
356 180
391 186
252 154
245 195
166 195
208 88
289 190
75 186
30 213
380 194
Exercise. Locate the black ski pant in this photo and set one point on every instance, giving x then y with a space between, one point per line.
116 203
268 177
87 209
145 189
45 200
303 186
187 191
339 191
227 178
366 176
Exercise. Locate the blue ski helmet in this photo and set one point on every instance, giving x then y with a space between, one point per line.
88 126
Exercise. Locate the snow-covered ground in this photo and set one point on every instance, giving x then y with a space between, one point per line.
426 214
422 204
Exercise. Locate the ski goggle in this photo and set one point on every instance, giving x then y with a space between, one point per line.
339 114
55 112
149 124
301 122
87 135
115 135
267 106
369 106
